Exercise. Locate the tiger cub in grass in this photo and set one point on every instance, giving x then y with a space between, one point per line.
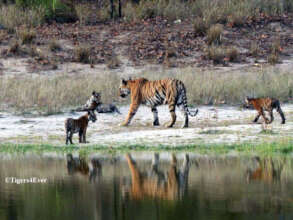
265 104
78 126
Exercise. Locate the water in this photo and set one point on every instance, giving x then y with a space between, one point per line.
146 186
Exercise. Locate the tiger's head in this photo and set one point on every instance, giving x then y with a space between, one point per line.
92 116
247 101
95 98
124 89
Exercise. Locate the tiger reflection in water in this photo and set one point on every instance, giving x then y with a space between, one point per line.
170 185
265 170
80 165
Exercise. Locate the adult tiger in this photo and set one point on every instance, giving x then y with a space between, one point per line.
154 93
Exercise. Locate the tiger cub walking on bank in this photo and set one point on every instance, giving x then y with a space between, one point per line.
78 126
265 104
153 94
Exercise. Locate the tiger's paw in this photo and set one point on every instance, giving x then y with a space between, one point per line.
123 124
156 123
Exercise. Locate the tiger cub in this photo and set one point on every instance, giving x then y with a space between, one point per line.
265 104
94 103
78 126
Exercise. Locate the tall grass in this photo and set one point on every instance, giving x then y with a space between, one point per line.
12 16
213 11
51 95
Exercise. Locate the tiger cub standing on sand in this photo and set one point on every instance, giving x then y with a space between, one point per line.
153 94
265 104
78 126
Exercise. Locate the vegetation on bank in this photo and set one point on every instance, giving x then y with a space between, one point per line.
234 12
273 148
54 94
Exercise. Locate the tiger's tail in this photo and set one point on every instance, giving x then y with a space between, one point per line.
184 101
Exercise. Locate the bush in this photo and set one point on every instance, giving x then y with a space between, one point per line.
214 34
216 54
254 49
82 54
273 58
232 54
83 12
26 36
200 26
54 46
113 62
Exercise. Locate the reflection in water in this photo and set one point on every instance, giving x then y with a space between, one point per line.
80 165
265 170
147 186
156 183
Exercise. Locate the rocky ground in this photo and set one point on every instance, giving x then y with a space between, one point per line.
56 48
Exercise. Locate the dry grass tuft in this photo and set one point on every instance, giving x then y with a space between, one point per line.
273 58
26 36
200 26
254 49
232 54
214 34
113 62
216 54
82 54
54 46
83 12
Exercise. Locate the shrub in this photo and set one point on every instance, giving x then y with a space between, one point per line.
254 49
200 26
26 36
273 58
54 46
14 47
232 54
216 54
83 12
113 62
214 34
82 54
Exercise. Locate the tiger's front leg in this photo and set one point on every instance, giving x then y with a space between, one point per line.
84 136
132 110
156 118
80 135
264 116
256 118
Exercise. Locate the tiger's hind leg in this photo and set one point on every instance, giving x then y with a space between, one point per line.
271 115
173 115
185 114
80 133
67 137
70 137
156 118
279 110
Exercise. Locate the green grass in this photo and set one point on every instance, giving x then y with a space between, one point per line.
273 148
